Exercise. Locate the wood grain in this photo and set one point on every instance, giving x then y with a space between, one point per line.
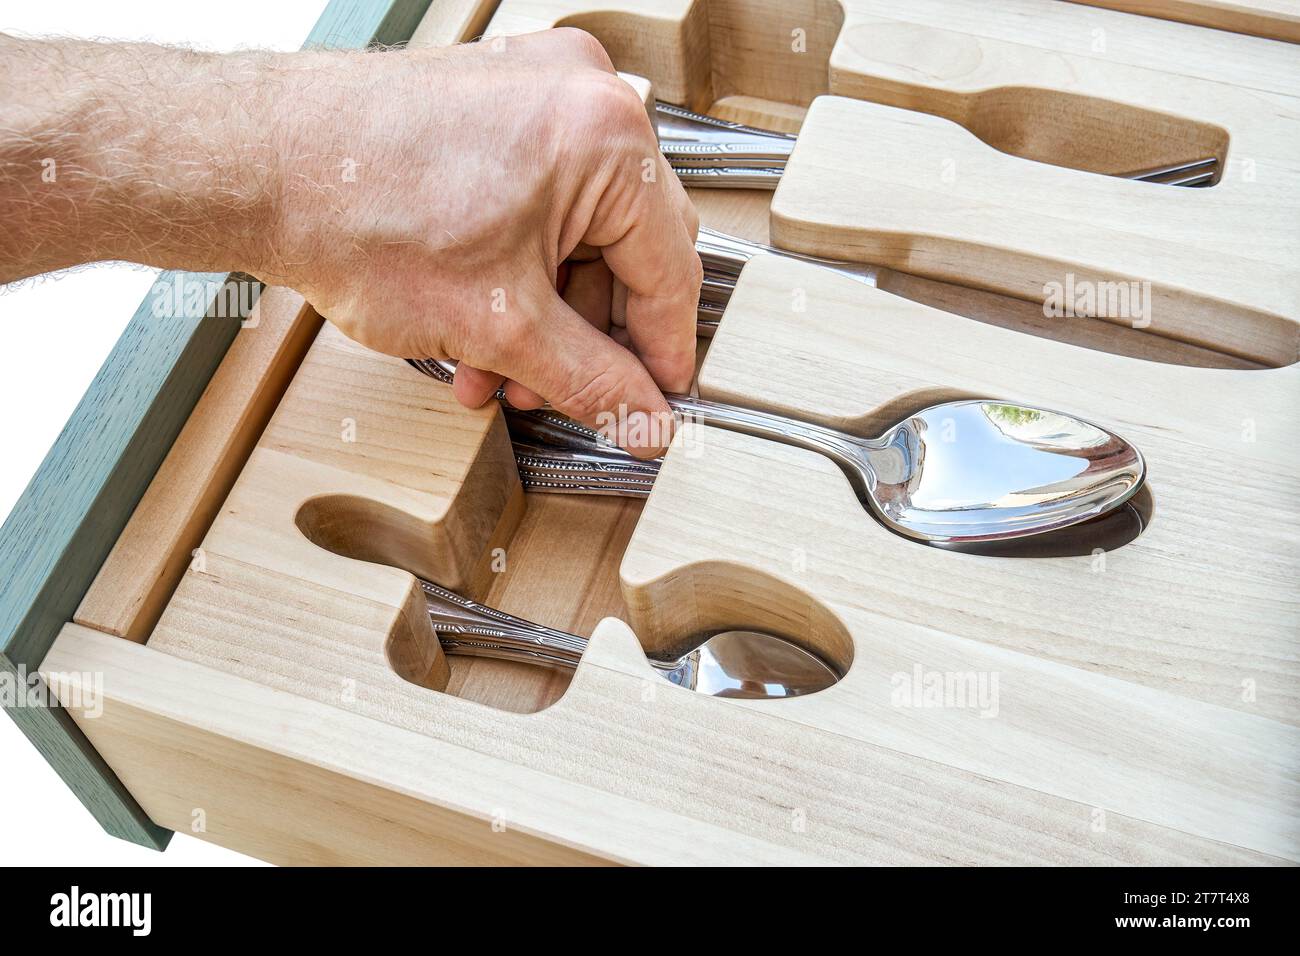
423 777
949 203
1231 247
147 561
1212 267
723 537
364 457
1175 634
452 21
1275 19
1147 702
1200 605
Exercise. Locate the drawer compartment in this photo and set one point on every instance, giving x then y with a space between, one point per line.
256 665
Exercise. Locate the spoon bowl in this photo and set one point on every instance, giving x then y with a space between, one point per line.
966 471
754 665
751 665
986 471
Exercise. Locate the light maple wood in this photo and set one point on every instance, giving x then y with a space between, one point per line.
794 50
1059 85
1201 604
1276 19
996 222
697 54
452 21
1118 690
451 781
1148 697
363 458
139 575
745 213
1219 265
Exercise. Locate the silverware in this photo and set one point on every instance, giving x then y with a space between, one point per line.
954 473
709 152
576 471
556 454
725 256
1199 173
748 664
704 151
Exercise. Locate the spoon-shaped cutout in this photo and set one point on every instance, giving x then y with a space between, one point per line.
749 664
706 151
967 471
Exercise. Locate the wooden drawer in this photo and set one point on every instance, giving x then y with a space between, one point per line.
270 681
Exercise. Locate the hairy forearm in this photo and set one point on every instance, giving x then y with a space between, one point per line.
140 153
422 200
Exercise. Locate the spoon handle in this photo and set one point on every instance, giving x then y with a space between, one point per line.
693 141
844 450
468 629
471 629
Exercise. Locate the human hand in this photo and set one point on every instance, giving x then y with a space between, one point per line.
504 204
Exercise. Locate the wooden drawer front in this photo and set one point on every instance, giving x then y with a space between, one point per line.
1133 703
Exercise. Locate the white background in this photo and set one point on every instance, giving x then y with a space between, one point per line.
56 332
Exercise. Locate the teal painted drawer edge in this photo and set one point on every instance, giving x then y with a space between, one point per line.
79 500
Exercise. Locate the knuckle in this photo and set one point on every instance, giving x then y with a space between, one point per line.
611 105
694 272
581 44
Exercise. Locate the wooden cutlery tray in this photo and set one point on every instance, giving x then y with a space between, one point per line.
270 679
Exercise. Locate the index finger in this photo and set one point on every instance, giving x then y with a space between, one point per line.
657 262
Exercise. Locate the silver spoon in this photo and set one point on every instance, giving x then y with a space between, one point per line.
958 472
749 664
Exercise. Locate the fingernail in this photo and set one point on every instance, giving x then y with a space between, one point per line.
646 434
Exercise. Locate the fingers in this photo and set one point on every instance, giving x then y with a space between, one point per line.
657 262
619 315
584 374
586 288
619 207
521 396
473 387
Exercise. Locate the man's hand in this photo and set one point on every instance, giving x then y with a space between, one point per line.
429 203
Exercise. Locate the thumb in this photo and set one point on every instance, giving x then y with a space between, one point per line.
588 376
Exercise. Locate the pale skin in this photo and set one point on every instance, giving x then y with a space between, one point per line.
503 204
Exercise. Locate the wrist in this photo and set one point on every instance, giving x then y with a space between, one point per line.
335 150
219 173
149 155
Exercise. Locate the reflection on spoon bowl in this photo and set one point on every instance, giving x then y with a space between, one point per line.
749 664
984 471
